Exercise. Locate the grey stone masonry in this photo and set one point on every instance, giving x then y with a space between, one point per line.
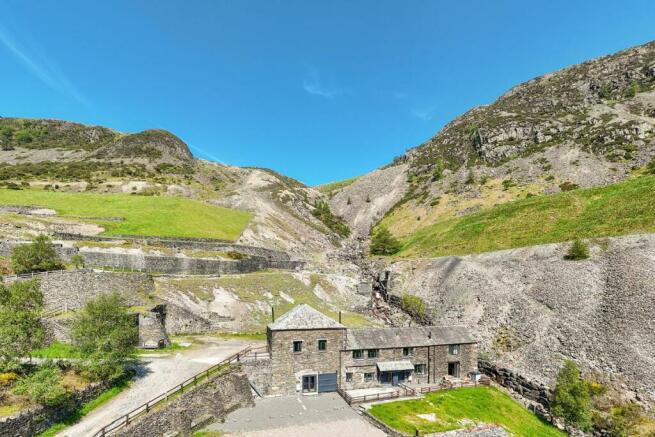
288 367
208 402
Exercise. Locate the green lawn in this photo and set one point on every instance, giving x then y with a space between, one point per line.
57 350
620 209
165 216
476 404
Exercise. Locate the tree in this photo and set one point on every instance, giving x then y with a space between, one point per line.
383 243
578 250
414 306
571 399
106 333
39 256
437 172
21 331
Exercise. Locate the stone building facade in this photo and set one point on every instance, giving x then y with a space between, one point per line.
310 353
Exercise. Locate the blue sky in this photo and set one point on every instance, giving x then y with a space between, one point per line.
319 91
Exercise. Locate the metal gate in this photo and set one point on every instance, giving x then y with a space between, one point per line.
327 382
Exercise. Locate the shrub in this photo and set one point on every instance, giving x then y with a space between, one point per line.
43 387
568 186
578 250
235 255
650 168
383 243
414 306
7 378
437 173
508 183
106 334
571 399
39 256
470 178
77 260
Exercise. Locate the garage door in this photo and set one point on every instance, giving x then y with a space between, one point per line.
327 382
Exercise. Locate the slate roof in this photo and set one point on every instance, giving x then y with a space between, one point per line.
381 338
304 317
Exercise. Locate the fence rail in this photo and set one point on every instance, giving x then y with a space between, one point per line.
405 390
34 274
145 408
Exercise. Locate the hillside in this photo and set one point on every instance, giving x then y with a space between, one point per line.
618 209
585 126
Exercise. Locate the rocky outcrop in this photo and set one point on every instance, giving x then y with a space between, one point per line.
364 202
532 309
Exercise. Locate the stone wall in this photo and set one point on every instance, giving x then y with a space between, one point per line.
517 383
183 265
288 367
36 420
182 321
440 357
208 402
260 374
73 288
152 331
183 243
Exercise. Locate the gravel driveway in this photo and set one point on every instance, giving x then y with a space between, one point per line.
158 374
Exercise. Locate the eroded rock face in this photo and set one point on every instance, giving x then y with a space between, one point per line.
532 309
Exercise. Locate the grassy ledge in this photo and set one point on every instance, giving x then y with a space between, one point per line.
447 409
164 216
619 209
85 409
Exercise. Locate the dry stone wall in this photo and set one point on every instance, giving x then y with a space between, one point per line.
208 402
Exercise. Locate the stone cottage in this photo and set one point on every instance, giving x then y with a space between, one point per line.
310 352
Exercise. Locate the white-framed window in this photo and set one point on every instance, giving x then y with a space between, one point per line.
349 377
322 345
420 369
373 353
297 346
368 376
453 349
408 351
358 354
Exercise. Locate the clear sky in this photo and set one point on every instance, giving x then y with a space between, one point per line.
318 90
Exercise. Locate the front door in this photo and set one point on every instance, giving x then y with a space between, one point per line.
308 383
453 369
394 379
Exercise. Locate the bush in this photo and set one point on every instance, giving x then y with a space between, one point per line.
568 186
414 306
7 378
571 399
106 334
650 168
578 251
508 183
235 255
43 387
21 331
40 256
439 167
77 260
383 243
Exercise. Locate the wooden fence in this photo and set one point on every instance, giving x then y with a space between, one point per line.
126 419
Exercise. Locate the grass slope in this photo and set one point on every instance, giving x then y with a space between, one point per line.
477 404
331 187
619 209
144 215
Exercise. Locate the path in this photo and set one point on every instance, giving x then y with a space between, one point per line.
160 373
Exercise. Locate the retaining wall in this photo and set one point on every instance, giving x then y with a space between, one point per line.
520 385
181 243
36 420
73 288
208 402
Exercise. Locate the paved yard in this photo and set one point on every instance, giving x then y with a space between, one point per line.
158 374
325 415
